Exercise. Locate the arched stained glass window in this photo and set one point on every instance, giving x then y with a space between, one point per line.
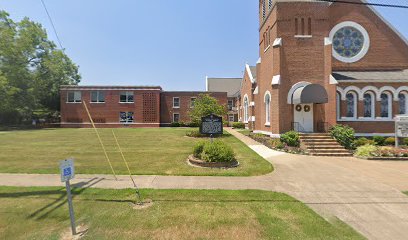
351 105
368 105
348 42
385 105
268 108
402 98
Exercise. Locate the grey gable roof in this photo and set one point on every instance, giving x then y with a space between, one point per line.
253 71
372 75
229 85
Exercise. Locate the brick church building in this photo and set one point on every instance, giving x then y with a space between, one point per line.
321 64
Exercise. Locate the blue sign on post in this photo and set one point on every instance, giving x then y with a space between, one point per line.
68 172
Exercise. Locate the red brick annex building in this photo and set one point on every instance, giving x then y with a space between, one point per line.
323 64
320 64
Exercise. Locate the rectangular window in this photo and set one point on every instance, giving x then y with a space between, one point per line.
230 105
126 97
176 117
192 102
176 102
74 97
126 117
97 97
309 26
303 26
231 118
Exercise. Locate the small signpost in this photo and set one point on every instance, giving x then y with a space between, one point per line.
67 173
401 128
210 125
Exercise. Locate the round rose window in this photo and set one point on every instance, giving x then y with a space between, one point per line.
350 42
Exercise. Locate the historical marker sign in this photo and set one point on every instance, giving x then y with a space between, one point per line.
211 124
401 128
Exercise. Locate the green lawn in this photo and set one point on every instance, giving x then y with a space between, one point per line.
149 151
42 213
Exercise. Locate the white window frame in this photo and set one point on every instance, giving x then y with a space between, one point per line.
178 102
406 102
192 102
366 44
372 105
267 109
127 93
174 114
355 96
232 104
98 92
229 117
389 105
76 94
246 109
127 121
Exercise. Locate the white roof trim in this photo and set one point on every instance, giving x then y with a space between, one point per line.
256 90
206 83
387 23
277 42
327 41
259 61
251 77
332 80
276 80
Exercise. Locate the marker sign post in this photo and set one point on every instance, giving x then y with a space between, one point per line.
68 173
210 125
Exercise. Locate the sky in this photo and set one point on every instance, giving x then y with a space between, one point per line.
171 43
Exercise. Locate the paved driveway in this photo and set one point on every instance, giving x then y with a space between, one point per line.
364 194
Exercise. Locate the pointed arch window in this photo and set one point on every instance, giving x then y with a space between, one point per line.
369 107
246 105
267 109
402 101
351 101
386 105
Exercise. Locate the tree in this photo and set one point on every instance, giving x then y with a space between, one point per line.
32 70
205 105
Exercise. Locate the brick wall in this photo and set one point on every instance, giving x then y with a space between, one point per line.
167 110
146 107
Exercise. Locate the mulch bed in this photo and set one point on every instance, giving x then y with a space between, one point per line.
200 163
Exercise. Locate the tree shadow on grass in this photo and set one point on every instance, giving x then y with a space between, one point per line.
43 212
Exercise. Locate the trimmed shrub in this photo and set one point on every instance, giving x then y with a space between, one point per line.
366 151
291 138
379 140
405 141
217 151
363 141
175 124
198 149
344 135
238 125
389 141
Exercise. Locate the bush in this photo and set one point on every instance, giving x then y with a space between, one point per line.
363 141
366 151
379 140
405 141
175 124
198 149
344 135
238 125
191 124
216 151
195 133
291 138
277 143
389 141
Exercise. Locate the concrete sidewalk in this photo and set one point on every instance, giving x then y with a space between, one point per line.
364 194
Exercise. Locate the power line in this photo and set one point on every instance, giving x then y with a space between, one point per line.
366 3
52 24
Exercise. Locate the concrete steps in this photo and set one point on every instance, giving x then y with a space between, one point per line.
322 144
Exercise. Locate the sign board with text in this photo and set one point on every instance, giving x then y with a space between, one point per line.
67 170
211 124
401 126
